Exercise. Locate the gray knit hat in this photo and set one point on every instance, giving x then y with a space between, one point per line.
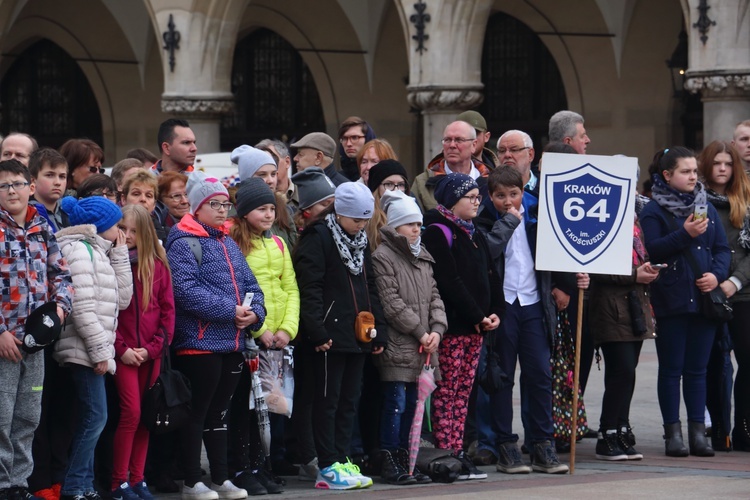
354 199
249 160
318 140
313 186
201 188
400 208
253 193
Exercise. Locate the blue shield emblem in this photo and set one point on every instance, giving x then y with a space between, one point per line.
588 210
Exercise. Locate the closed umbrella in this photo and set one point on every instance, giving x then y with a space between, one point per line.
258 401
425 385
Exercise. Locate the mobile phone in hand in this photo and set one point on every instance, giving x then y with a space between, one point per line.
659 266
701 212
248 299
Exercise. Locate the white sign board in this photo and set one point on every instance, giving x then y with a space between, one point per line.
586 206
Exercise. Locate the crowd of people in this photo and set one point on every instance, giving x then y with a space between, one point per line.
363 278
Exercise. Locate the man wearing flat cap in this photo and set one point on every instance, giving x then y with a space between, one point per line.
317 150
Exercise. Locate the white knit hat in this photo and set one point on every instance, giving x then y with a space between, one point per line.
354 199
249 160
400 208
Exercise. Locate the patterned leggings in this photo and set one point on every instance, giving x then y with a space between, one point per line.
459 356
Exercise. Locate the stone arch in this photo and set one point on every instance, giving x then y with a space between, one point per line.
522 83
45 94
275 95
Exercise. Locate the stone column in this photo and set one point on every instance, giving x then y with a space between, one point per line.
719 64
197 75
444 43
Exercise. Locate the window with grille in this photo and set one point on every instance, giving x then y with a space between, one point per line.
44 93
275 95
522 85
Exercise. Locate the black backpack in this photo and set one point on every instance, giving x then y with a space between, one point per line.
166 404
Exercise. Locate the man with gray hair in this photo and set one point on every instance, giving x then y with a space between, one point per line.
515 149
567 127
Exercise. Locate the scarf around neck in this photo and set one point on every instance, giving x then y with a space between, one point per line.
351 248
722 201
675 202
466 225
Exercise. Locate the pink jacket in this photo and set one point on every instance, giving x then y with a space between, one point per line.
139 328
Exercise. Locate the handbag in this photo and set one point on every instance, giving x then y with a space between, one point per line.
364 322
714 304
491 377
166 404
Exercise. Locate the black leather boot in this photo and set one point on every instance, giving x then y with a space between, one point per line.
392 471
699 445
674 446
741 434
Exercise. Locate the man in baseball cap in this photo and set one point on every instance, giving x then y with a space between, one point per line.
481 151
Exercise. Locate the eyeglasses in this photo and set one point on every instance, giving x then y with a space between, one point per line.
177 197
513 151
96 170
391 186
17 186
112 195
217 205
457 140
477 198
352 138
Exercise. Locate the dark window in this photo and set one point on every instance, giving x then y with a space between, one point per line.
45 94
522 85
275 95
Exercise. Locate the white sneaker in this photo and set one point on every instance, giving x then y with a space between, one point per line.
228 491
198 492
309 471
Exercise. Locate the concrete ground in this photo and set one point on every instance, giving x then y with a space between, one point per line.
727 475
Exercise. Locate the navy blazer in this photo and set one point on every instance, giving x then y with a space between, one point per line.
675 292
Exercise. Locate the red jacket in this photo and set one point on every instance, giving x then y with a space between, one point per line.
139 328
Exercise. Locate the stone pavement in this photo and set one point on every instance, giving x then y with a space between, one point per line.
725 476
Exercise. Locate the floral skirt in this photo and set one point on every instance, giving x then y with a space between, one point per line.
563 364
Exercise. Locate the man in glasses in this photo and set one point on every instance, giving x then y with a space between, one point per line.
354 132
459 142
177 146
19 146
515 149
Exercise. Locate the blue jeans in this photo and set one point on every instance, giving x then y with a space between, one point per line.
399 402
522 338
684 348
92 406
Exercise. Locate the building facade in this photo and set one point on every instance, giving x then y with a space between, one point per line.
241 70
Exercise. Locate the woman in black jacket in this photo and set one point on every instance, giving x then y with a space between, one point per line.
336 282
472 294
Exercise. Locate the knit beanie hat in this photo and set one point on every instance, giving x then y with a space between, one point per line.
253 193
452 187
249 160
354 200
313 186
96 210
384 169
400 208
201 188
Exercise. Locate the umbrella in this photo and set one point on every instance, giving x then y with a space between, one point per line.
425 386
258 400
